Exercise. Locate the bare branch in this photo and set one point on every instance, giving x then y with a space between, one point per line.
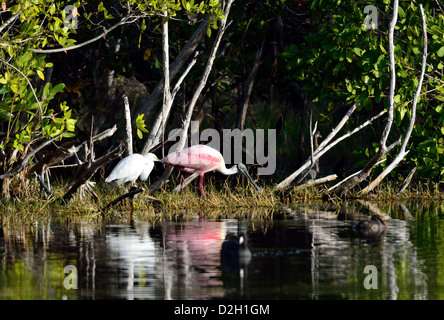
10 20
125 20
22 164
129 135
184 74
184 54
65 151
30 85
317 181
343 189
407 181
322 147
402 153
131 193
249 88
87 170
389 120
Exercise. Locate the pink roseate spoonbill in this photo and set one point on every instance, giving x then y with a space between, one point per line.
132 167
202 159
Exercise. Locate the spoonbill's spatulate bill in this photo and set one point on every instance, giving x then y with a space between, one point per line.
133 167
202 159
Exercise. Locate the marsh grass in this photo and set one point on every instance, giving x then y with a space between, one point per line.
223 200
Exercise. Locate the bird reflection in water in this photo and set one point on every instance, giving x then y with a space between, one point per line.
234 258
190 262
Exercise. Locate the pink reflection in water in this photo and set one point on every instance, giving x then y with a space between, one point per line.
192 251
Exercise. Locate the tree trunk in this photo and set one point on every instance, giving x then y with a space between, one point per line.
249 88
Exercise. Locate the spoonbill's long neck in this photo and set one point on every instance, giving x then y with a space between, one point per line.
223 169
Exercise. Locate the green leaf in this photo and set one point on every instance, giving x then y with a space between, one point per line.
337 68
358 51
14 88
57 88
367 102
46 90
401 12
52 9
440 52
70 124
416 50
41 75
69 135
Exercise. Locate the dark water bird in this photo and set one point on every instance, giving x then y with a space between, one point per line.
235 253
202 159
373 228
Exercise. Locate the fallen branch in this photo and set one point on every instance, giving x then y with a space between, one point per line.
317 181
394 144
131 193
407 181
22 165
324 147
89 166
285 183
351 176
65 151
88 169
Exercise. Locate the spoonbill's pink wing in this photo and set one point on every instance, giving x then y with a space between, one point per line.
198 158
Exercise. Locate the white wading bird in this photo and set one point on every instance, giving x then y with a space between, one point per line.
132 167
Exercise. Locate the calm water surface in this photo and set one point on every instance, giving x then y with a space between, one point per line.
300 253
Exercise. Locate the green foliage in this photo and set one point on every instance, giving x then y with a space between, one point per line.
343 62
23 118
141 126
29 109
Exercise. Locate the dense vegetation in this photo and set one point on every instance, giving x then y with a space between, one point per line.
311 56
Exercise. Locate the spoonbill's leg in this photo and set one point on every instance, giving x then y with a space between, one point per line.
201 185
